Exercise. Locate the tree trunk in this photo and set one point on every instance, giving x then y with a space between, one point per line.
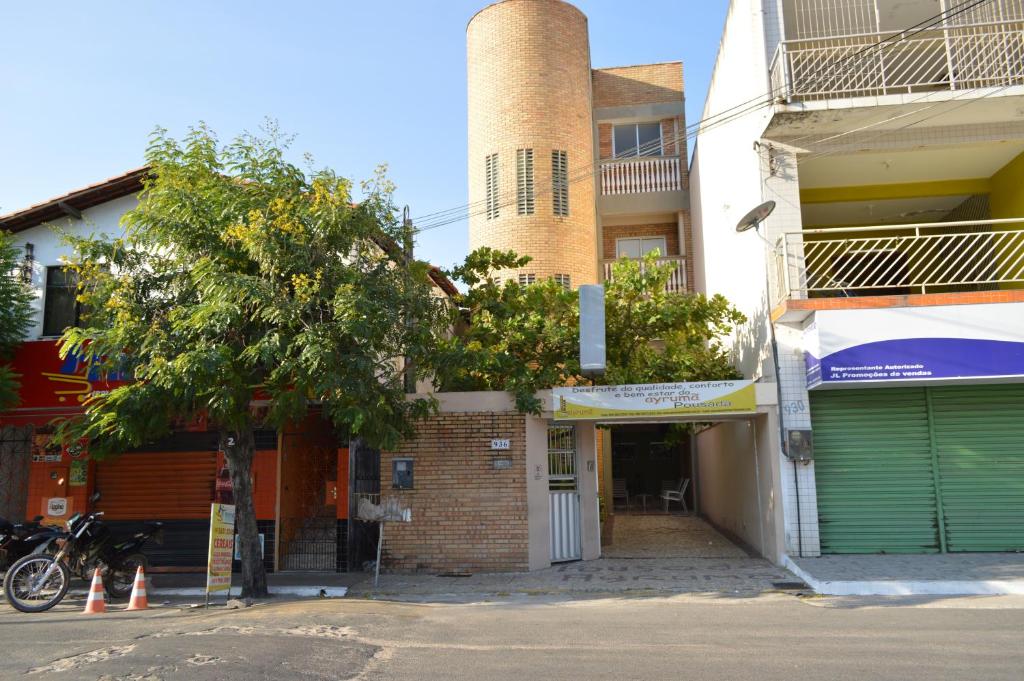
238 447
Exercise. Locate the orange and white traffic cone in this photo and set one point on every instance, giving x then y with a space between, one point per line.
95 604
139 600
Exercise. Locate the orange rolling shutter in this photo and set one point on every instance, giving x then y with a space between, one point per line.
156 485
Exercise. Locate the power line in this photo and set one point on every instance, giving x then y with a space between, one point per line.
449 216
466 211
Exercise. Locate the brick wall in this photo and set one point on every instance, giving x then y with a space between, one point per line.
641 84
529 78
669 230
467 516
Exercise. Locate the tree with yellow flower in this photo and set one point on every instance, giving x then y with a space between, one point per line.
240 274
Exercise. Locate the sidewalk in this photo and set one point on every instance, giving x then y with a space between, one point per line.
730 577
954 574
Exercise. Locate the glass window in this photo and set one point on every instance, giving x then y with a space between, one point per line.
60 307
641 246
527 279
636 139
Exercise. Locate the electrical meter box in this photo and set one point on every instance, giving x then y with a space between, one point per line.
401 473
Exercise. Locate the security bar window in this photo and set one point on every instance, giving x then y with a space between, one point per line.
60 306
525 279
560 182
637 139
492 186
524 181
563 280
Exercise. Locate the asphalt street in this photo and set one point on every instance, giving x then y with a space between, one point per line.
697 636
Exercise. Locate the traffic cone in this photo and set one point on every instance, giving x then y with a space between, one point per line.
95 604
139 600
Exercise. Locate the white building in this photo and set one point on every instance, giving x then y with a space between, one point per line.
890 276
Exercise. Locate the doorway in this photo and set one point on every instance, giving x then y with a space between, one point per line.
646 461
308 500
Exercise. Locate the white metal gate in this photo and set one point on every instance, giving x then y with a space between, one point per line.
564 507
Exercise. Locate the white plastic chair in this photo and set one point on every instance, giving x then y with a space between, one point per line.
678 494
620 491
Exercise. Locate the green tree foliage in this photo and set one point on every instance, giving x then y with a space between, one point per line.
525 338
241 274
15 317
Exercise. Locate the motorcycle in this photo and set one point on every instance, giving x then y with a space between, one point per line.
40 581
22 539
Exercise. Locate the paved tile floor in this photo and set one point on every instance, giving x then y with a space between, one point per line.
930 567
667 536
610 576
651 554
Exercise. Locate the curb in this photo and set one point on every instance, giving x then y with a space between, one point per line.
907 587
300 591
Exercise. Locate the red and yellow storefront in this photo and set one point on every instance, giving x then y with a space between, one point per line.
300 475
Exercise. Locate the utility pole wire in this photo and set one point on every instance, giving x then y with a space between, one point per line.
465 211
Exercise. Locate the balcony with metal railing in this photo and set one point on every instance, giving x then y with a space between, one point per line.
949 56
640 175
945 257
677 279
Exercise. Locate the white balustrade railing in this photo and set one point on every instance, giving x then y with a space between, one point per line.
900 259
952 57
677 279
640 175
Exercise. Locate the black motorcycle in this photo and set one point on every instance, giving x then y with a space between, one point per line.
40 581
18 540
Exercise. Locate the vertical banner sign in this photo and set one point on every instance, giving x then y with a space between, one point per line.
222 544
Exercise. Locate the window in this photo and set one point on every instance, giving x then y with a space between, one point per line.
524 181
563 280
560 182
639 247
492 186
525 279
60 306
636 139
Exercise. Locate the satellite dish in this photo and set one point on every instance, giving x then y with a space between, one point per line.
755 217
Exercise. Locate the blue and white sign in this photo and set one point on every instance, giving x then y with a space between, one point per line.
942 343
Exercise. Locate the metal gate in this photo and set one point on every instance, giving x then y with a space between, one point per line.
364 480
564 507
15 452
920 470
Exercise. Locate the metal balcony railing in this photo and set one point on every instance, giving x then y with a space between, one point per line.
900 259
640 175
950 57
676 282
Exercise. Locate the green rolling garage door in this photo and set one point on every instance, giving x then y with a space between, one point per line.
920 470
873 469
979 436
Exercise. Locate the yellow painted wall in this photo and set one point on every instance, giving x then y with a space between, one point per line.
1007 197
1007 201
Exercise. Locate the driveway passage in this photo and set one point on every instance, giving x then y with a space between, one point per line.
667 536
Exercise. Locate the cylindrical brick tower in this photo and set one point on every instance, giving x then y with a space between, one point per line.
530 118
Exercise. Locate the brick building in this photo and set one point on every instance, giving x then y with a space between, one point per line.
571 165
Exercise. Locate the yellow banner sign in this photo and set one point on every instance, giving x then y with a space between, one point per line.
222 544
654 399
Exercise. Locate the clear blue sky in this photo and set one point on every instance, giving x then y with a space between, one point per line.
358 83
